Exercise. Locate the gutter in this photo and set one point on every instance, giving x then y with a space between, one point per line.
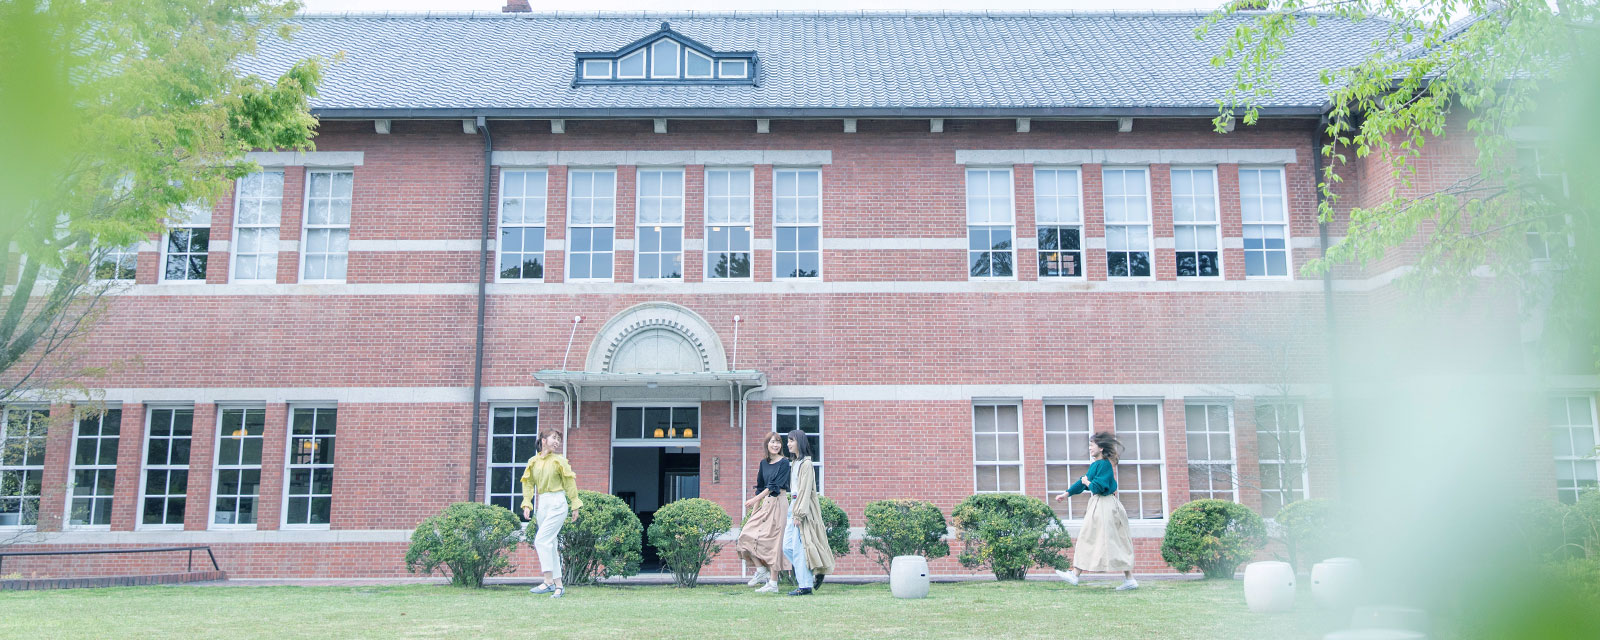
483 299
544 113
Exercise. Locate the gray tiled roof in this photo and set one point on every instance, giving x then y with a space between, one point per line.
811 64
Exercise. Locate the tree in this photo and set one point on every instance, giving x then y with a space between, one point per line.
129 112
1477 67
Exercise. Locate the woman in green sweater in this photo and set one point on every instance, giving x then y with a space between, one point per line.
1105 543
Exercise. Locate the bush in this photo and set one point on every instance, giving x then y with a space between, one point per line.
471 541
685 533
1312 530
838 525
904 528
603 541
1214 535
1009 533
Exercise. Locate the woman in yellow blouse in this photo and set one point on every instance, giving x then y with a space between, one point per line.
550 477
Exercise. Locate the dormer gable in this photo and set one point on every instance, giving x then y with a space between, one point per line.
665 57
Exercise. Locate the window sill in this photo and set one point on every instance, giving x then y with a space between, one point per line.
304 527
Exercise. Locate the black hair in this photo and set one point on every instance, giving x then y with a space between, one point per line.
802 445
1108 445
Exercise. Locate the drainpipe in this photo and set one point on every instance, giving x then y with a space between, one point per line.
483 298
1342 450
744 459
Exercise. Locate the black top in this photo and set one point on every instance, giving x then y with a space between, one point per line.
774 477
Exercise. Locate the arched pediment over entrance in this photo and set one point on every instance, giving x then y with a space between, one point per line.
656 337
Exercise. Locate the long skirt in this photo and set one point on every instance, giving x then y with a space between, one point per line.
552 513
761 537
1105 543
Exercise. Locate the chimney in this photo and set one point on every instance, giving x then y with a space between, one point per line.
516 6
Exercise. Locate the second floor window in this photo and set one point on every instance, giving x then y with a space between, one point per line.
729 214
522 218
1194 219
660 230
257 211
1058 212
797 222
118 263
591 224
990 248
1266 222
327 227
1127 205
186 254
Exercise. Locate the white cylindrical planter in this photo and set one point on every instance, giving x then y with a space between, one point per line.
1269 587
908 577
1336 582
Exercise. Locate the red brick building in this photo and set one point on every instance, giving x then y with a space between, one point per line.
950 246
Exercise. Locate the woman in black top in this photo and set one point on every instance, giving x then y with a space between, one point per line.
761 537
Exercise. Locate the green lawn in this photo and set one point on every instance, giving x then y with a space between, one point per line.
1186 609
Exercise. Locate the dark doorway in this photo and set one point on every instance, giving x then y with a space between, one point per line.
648 477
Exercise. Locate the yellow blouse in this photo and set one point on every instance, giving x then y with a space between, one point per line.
548 472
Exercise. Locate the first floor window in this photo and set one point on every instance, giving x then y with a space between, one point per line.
513 439
989 252
94 469
22 434
1572 424
807 418
118 263
1141 467
166 466
186 257
310 470
1066 452
1266 224
997 448
238 471
1281 445
1208 428
522 219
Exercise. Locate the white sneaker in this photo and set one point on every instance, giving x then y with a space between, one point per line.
759 578
1128 585
770 587
1067 577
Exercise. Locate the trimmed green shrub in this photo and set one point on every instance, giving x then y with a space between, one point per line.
1214 535
685 533
1312 530
1008 533
904 528
470 541
603 542
838 525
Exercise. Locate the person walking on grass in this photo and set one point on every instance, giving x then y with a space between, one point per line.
761 537
550 477
1105 544
805 537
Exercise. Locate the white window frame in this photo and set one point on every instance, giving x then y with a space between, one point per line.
239 226
73 468
584 69
26 469
700 423
749 223
655 58
289 466
1304 461
1069 462
711 64
822 430
490 465
638 220
1148 224
543 225
991 222
744 68
644 64
776 225
1577 458
568 243
1215 224
1233 444
1539 174
1077 174
1288 236
1022 471
116 255
217 466
166 242
306 227
145 468
1160 461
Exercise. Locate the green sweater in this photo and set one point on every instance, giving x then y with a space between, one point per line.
1102 481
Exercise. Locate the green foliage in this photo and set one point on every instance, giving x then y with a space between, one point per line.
1312 530
1214 535
904 528
837 525
684 534
129 112
471 541
1008 533
1551 532
603 542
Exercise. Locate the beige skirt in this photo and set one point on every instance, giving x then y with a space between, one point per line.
761 538
1105 543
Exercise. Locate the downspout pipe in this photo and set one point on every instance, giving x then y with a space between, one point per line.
744 458
483 298
1343 451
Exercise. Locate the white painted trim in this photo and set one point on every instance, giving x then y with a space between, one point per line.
1125 156
227 536
337 159
464 244
894 244
663 158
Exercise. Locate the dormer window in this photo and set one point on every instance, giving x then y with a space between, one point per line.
664 57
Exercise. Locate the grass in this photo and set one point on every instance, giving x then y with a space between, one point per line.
1180 609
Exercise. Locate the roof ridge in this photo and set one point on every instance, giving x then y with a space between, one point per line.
645 14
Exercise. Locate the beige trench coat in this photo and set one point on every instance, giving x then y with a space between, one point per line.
807 511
